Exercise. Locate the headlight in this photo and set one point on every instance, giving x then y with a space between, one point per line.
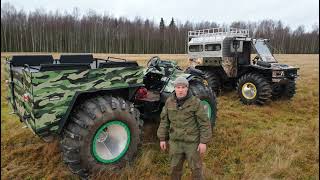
277 73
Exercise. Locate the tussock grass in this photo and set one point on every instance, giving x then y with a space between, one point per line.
277 141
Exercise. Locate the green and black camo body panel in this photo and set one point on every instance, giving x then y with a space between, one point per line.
20 84
8 77
54 92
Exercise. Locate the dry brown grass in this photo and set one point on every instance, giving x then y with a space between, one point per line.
276 141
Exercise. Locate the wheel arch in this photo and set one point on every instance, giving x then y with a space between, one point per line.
265 72
126 93
215 69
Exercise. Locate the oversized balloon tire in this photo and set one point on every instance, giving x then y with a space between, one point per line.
207 97
253 89
102 135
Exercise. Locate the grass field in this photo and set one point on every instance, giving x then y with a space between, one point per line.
277 141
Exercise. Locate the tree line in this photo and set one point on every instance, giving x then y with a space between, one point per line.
41 31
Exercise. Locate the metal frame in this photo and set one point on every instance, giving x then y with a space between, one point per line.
219 32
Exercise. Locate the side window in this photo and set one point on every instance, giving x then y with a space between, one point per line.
212 47
195 48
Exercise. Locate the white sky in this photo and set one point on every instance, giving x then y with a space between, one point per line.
290 12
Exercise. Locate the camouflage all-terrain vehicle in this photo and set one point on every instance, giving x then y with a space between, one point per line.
225 57
91 105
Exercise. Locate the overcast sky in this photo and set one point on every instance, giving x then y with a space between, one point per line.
290 12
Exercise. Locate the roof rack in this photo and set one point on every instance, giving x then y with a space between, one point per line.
219 32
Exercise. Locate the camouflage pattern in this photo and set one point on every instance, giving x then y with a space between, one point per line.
52 92
173 71
21 83
189 123
9 86
185 128
179 152
229 65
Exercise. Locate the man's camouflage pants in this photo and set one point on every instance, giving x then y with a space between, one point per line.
181 151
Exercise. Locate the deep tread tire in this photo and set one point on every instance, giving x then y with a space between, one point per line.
214 81
277 91
263 88
203 92
83 123
285 91
290 89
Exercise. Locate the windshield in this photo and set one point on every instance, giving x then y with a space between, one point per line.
263 51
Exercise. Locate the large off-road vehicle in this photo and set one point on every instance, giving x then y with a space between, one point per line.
92 105
225 57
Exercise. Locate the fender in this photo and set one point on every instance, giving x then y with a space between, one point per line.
130 92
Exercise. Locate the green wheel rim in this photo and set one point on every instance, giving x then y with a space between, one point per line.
207 104
111 142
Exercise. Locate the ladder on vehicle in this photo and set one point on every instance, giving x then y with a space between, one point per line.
218 32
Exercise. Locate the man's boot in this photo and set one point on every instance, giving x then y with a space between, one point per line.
176 173
197 174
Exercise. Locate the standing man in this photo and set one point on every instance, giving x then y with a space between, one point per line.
186 125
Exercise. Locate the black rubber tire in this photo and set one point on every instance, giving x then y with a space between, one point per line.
289 89
203 92
284 91
83 123
263 88
214 81
277 91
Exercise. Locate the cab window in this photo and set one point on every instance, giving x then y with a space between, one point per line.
195 48
213 47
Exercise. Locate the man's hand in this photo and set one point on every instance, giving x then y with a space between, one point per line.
163 145
202 148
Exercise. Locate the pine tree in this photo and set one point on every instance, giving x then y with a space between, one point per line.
162 36
162 26
172 24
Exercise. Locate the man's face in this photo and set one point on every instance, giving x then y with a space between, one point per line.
181 90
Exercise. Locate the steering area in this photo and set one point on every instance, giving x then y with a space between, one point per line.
154 62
